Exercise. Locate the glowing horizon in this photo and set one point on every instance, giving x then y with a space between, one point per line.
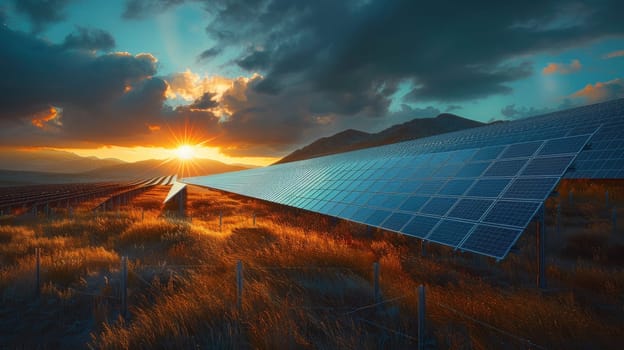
140 153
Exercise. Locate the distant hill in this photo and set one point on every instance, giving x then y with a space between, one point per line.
117 172
350 140
151 168
50 161
11 178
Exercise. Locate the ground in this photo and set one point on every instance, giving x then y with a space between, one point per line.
307 279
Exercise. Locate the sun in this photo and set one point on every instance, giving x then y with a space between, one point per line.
185 152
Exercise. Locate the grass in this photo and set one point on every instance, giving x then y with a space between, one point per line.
307 281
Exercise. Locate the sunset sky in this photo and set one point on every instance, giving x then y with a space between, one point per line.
252 80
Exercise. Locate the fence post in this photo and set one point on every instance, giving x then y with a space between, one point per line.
376 282
123 284
570 196
421 317
239 286
254 219
220 221
614 218
541 260
423 248
142 214
607 198
558 219
38 272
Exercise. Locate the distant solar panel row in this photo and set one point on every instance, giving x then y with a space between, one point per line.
476 199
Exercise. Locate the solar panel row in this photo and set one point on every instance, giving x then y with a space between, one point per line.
477 199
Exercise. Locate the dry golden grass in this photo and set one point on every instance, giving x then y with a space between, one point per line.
304 275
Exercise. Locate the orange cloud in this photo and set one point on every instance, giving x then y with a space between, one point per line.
190 86
602 91
619 53
153 127
46 118
562 68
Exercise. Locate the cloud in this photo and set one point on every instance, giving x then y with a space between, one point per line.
59 97
205 102
562 68
190 86
136 9
451 108
89 39
614 54
42 13
513 112
209 53
601 91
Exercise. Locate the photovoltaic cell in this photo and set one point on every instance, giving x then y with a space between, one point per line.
488 153
456 187
413 204
471 209
562 146
438 206
506 167
531 188
521 150
473 169
488 187
377 217
491 240
396 221
512 213
420 226
450 232
555 166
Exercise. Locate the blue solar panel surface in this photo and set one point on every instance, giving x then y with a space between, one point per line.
442 197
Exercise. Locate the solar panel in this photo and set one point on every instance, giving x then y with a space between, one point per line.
491 240
450 232
474 190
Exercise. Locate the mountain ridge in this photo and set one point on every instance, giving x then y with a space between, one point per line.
351 139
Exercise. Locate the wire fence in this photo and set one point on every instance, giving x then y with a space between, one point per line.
339 311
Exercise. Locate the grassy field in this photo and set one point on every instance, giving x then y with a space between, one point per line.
308 280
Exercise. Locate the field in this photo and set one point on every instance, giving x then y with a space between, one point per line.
307 279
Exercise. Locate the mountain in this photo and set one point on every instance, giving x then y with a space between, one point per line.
152 168
328 145
50 161
350 140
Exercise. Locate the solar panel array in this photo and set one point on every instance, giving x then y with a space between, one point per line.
474 190
477 199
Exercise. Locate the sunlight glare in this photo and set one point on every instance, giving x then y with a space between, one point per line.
185 152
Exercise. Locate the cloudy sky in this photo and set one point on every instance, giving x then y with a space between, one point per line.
255 79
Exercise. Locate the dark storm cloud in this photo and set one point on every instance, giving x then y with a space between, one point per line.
206 101
350 46
209 53
55 96
89 39
449 50
42 12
